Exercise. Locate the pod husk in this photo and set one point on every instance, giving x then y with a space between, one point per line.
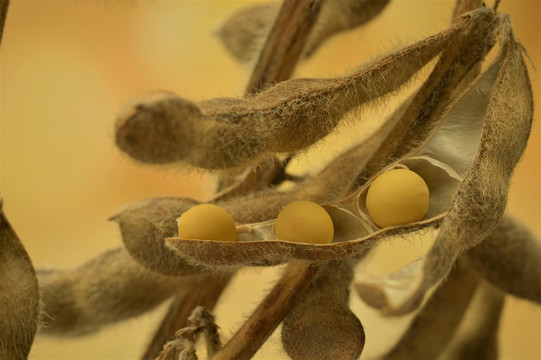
225 133
439 318
482 196
243 32
322 326
145 224
478 336
354 230
19 295
107 289
510 259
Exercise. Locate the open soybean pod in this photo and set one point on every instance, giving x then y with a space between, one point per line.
481 197
466 162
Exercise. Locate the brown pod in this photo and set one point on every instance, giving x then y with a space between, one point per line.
144 225
322 326
510 259
243 32
225 133
326 330
107 289
19 295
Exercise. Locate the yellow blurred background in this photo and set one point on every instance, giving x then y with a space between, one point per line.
67 68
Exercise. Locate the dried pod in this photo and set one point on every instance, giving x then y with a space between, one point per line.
481 199
479 338
145 224
439 318
227 132
109 288
322 326
19 295
482 196
510 258
466 162
243 32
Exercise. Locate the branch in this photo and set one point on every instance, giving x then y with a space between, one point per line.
270 313
285 43
276 62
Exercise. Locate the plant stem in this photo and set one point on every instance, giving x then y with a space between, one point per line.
269 314
285 43
281 52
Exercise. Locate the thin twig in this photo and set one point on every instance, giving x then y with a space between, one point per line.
205 295
270 313
285 43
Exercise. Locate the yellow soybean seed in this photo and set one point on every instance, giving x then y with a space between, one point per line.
207 222
304 221
396 197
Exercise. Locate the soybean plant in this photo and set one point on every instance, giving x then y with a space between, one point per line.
452 146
